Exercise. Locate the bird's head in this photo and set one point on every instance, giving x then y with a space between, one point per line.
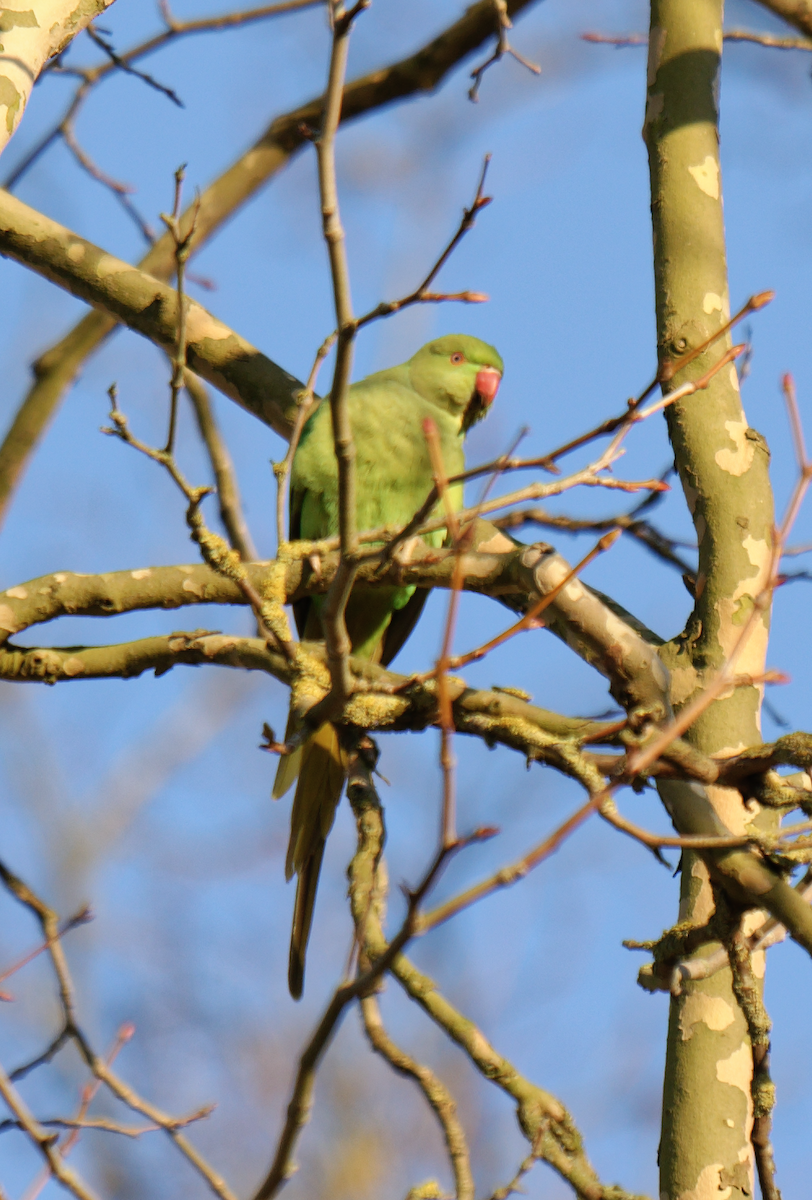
458 373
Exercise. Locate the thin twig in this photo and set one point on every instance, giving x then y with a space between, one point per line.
105 1125
305 401
43 1140
228 492
81 1120
503 46
336 638
213 549
421 294
446 717
125 65
301 1096
437 1095
121 191
621 40
49 923
80 918
183 245
530 620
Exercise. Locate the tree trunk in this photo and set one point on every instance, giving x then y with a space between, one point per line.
705 1149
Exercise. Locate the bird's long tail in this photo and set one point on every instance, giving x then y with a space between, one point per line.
321 781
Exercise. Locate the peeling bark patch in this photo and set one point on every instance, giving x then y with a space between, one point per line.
216 643
757 551
734 379
654 106
143 573
728 804
656 45
700 903
711 303
708 1185
12 100
684 682
196 589
737 1070
713 1011
737 461
11 18
17 593
108 264
734 610
73 667
76 251
498 544
201 325
706 176
8 621
60 577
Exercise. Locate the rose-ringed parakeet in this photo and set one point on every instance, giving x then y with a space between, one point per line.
452 380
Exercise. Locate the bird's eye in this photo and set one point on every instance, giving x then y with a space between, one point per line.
457 358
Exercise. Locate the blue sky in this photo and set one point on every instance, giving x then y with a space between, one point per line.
149 798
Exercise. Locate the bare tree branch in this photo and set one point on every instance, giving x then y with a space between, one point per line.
420 72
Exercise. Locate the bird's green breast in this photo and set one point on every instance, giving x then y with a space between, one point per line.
393 469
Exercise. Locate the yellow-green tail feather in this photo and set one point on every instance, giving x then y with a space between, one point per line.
321 780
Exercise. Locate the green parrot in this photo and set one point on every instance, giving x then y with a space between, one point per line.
452 380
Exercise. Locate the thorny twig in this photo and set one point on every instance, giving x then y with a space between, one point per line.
503 47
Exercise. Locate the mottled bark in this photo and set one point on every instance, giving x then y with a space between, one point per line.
32 34
150 308
723 465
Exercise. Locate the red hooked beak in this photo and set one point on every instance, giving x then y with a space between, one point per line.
487 384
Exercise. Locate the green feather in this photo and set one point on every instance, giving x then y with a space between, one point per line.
393 478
